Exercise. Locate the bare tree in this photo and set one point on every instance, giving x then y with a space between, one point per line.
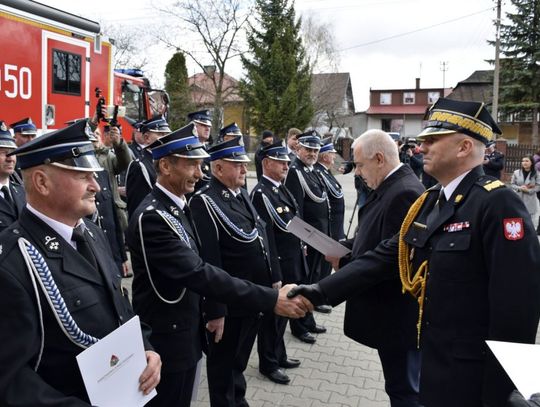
330 90
218 29
320 45
128 46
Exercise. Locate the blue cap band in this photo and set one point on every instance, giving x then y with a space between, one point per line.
327 147
54 153
227 152
24 127
174 146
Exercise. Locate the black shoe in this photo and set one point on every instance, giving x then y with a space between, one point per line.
277 376
289 363
306 337
325 309
317 329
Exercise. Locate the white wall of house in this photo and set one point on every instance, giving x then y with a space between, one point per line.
411 126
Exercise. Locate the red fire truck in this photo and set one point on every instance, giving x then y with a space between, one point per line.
52 62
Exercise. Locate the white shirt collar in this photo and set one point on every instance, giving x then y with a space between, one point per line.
63 230
2 185
180 201
452 185
393 170
235 193
277 184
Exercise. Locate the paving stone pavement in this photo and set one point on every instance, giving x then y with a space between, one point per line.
335 371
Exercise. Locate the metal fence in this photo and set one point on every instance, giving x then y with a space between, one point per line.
514 154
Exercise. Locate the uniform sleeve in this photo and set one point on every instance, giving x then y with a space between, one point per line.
293 185
258 203
513 268
20 337
364 272
136 186
210 250
175 266
122 157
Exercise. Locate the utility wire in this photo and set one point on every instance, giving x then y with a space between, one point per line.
414 31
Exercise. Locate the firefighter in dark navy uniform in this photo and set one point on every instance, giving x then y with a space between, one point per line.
169 274
140 175
467 250
203 124
23 131
59 291
313 207
233 238
12 198
276 206
323 167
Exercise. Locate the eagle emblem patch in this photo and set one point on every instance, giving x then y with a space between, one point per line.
513 228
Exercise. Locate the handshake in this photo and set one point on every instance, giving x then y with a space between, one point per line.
295 300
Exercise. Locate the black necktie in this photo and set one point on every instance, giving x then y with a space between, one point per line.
441 200
7 195
83 247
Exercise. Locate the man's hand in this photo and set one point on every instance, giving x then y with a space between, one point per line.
312 292
216 326
517 400
151 375
291 307
114 134
334 261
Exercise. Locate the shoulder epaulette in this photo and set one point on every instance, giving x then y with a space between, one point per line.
490 184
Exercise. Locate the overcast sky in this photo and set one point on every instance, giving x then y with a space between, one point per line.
383 44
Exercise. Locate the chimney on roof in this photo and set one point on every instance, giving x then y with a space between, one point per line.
210 70
417 83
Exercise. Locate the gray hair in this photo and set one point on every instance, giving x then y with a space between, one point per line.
377 141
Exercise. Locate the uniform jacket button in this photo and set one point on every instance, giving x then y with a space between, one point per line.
174 326
121 317
77 303
452 244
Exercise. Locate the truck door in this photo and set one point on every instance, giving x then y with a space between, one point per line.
66 73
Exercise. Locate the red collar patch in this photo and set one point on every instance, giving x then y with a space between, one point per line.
513 228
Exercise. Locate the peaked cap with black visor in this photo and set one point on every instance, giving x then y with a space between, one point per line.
182 143
276 151
68 148
448 116
230 150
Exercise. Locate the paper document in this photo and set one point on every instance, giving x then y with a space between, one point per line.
316 239
111 368
522 364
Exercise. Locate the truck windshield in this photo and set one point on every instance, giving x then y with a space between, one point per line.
158 102
132 101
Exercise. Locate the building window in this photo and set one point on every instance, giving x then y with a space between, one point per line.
66 72
408 98
432 97
385 99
